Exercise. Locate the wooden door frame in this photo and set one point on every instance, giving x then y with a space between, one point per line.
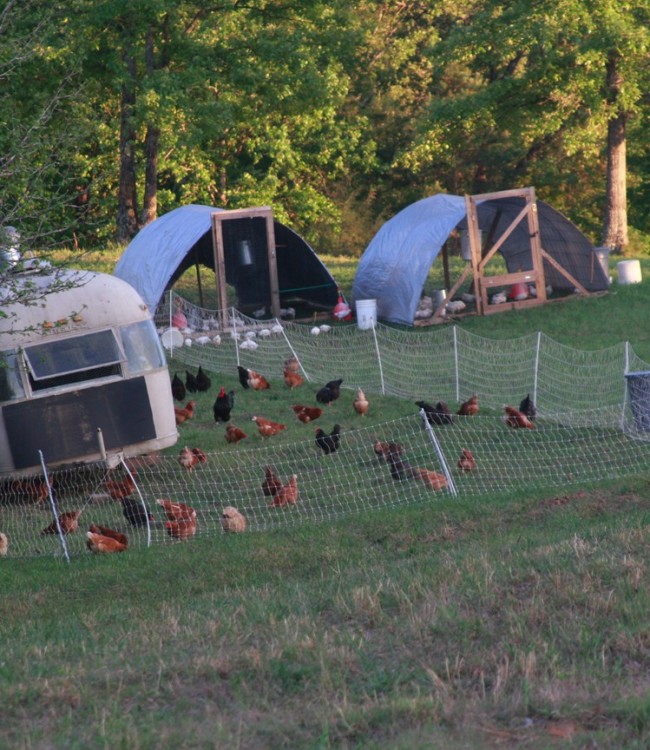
483 282
218 218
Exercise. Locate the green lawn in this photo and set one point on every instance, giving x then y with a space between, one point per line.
507 619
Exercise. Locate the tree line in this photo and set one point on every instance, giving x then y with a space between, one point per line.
337 114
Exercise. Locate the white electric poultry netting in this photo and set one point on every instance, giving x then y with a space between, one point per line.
446 364
355 479
586 431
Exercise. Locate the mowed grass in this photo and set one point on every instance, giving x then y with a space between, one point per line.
517 619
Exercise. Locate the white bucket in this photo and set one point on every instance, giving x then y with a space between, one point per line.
440 295
366 313
629 271
465 249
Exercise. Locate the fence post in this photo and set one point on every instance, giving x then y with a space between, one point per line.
233 317
381 369
293 352
441 455
55 510
455 332
536 368
144 505
171 338
626 369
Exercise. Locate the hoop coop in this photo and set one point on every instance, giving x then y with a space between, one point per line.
538 247
261 266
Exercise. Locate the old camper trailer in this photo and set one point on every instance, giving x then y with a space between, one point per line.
82 374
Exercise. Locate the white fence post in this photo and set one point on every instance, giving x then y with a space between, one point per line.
536 368
381 369
441 455
55 510
455 331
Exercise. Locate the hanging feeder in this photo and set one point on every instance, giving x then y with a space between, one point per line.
245 254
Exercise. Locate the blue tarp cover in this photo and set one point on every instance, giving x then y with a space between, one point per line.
394 267
395 264
163 250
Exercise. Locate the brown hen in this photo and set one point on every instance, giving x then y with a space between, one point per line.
271 484
234 434
287 494
307 414
360 403
268 428
68 522
466 462
469 408
99 543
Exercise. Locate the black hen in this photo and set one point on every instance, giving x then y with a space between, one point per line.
134 512
223 405
243 376
329 392
438 414
190 382
203 382
527 407
400 468
328 443
178 389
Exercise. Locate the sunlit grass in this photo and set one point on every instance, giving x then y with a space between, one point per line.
518 619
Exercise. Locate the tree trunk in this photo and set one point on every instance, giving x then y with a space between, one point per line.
615 219
127 214
152 138
150 200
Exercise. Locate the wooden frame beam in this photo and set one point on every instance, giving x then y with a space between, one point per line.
257 212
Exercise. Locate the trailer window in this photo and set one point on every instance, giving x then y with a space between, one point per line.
11 385
74 360
142 347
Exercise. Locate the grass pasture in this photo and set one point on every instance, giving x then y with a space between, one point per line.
511 618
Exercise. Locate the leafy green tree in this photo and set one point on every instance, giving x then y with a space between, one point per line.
39 207
229 103
36 193
544 93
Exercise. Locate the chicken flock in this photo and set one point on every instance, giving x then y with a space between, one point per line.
181 521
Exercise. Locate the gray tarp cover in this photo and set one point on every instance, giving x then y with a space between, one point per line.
156 251
394 267
395 264
164 249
